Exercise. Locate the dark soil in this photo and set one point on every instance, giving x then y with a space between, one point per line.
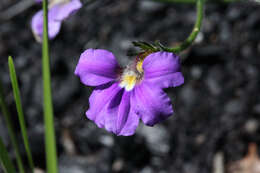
216 110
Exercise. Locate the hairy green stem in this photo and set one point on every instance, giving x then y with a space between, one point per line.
10 129
194 33
50 140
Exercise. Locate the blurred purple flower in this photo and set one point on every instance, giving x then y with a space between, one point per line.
58 11
123 96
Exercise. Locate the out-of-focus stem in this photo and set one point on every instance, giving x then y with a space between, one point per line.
5 159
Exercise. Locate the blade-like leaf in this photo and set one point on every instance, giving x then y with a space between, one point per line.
10 129
5 159
19 108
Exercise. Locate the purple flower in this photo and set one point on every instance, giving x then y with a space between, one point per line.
123 96
58 11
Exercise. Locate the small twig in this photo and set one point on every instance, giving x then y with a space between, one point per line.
218 163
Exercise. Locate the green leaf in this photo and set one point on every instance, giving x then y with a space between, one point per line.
19 108
5 159
10 129
144 46
50 143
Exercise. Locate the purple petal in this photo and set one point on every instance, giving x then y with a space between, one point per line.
110 108
152 105
63 11
130 125
37 25
97 67
163 69
56 14
38 1
100 97
120 119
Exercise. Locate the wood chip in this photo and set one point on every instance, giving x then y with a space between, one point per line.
249 164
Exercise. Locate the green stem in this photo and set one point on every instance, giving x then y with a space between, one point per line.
19 108
10 129
194 33
50 143
5 159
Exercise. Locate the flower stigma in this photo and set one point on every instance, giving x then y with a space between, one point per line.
139 66
140 59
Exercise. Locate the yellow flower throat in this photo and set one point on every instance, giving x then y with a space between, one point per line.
132 76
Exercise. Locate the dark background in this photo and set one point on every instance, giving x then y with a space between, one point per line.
216 110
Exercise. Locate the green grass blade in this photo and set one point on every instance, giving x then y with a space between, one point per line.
19 108
5 159
10 129
50 143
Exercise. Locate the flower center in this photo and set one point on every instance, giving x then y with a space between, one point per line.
128 80
133 74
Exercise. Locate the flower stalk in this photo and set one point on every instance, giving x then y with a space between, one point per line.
157 46
194 33
50 140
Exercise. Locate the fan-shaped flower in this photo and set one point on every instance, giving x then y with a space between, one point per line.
58 11
123 96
